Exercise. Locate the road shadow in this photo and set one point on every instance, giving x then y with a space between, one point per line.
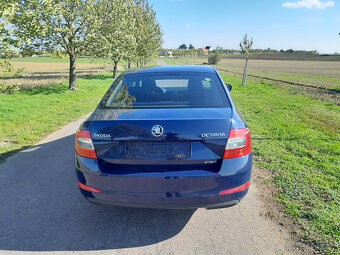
98 77
58 88
43 210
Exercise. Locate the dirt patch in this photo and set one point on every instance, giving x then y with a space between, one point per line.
6 143
40 74
45 67
266 191
36 79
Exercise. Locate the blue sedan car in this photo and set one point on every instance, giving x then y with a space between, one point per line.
165 137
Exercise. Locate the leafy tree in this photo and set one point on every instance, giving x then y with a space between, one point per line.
116 28
183 47
246 45
60 27
6 68
191 47
148 32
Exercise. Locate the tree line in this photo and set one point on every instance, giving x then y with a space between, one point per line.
111 29
197 52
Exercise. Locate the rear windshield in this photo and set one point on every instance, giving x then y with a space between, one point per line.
181 90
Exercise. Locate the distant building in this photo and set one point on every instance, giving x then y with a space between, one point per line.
204 50
165 53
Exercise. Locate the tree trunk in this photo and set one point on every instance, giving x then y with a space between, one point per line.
245 73
115 69
137 63
141 63
129 64
72 72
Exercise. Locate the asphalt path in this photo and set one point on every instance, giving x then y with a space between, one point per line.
160 62
42 211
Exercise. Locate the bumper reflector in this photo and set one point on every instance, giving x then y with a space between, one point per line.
82 186
236 189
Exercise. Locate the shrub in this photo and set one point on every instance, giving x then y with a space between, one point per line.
8 89
214 58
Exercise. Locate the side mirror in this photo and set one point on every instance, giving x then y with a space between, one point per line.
229 87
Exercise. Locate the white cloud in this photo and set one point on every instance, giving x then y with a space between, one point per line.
309 4
187 25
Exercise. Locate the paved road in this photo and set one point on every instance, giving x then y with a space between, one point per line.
43 211
160 62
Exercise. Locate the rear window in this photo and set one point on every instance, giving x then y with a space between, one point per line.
181 90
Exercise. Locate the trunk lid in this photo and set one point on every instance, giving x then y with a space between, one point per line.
131 140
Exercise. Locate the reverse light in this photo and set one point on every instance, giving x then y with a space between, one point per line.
83 186
84 145
239 143
236 189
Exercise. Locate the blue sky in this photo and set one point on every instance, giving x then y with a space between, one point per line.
276 24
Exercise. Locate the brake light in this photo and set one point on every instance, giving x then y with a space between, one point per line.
239 143
84 145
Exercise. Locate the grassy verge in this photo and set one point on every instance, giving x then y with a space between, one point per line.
297 138
26 116
169 61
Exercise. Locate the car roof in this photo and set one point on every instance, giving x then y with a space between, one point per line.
170 69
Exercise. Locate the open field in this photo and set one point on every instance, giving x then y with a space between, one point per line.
320 73
54 67
41 71
318 79
285 56
46 59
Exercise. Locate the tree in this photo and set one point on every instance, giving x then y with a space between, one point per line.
148 32
246 45
6 68
214 58
183 47
54 26
116 25
191 47
219 49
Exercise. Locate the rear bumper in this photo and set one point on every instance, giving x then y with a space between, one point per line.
165 204
168 190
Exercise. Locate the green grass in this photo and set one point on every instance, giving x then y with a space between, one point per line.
26 116
297 139
168 61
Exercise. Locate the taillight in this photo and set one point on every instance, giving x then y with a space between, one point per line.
239 143
84 145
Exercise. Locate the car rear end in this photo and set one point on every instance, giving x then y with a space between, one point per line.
165 138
